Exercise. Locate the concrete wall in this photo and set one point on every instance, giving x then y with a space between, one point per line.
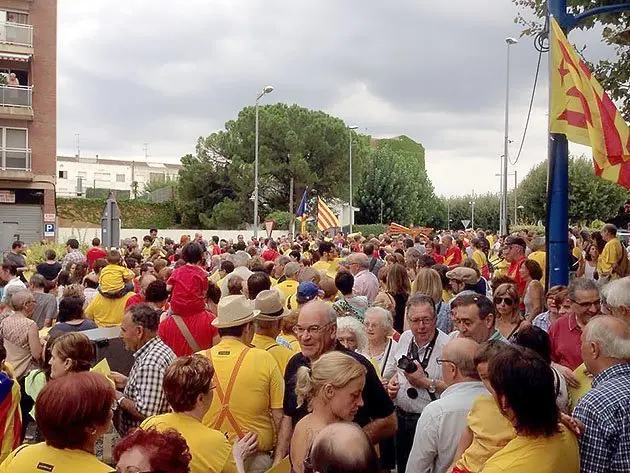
85 235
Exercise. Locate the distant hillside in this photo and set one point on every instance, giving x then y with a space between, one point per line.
401 143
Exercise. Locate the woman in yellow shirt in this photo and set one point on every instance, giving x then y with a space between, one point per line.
72 412
188 389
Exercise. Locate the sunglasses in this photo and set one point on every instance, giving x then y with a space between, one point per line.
506 300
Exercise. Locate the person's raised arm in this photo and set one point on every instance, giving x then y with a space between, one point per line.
380 429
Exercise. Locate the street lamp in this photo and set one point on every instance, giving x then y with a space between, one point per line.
267 90
520 207
350 129
504 217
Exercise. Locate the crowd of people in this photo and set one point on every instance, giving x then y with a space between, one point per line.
345 353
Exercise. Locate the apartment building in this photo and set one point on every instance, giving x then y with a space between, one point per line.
28 119
75 175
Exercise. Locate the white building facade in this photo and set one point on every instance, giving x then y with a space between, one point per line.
75 175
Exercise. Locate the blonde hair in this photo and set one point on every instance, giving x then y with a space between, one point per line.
429 283
334 368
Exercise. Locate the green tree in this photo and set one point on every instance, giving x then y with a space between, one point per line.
590 197
486 210
614 75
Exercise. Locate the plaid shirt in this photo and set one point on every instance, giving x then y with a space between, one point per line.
144 385
605 412
74 257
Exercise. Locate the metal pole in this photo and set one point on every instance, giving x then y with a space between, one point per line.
351 208
504 227
501 216
381 211
448 215
256 177
291 209
515 211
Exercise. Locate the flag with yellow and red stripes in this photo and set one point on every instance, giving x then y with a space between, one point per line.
326 219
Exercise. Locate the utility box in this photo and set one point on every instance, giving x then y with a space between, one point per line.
110 223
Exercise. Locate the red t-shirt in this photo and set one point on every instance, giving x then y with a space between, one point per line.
133 300
93 254
200 326
270 255
439 259
453 256
190 284
514 271
565 341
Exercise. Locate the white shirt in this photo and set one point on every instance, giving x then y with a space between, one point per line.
440 427
13 286
403 401
241 271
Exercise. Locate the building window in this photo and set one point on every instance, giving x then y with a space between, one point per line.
16 17
15 152
102 176
120 178
63 174
156 177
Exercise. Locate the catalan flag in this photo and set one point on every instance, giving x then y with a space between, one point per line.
301 212
583 111
10 415
326 219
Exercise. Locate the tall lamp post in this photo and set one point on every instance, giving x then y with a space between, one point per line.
267 90
350 129
504 206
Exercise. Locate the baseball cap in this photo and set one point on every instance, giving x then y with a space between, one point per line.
515 240
307 291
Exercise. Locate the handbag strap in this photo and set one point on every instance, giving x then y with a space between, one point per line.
181 325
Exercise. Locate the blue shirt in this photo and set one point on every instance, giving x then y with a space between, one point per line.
605 413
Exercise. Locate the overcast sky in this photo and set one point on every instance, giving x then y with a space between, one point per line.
148 71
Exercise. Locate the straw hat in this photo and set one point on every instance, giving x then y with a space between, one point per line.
234 311
269 304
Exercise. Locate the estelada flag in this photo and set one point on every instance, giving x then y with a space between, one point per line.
583 111
326 219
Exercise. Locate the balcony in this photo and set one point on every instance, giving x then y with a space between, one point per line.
16 38
16 102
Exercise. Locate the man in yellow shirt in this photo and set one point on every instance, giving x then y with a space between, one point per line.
539 254
107 312
188 390
612 254
327 254
249 384
268 327
518 375
289 286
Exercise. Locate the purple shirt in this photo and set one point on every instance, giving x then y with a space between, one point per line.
366 284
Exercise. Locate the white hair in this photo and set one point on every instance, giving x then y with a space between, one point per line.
353 325
240 259
384 317
617 293
611 343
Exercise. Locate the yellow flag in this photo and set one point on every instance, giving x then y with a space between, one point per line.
583 111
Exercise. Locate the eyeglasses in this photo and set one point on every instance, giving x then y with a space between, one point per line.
588 303
507 300
312 330
440 361
425 321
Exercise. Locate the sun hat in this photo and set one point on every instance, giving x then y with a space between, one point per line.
270 305
234 311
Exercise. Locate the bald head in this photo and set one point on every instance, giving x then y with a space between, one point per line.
460 352
343 448
145 280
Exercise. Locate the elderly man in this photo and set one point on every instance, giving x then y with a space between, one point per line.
610 261
616 296
343 447
418 378
142 394
474 318
316 331
240 260
45 303
443 421
605 410
249 387
365 283
566 332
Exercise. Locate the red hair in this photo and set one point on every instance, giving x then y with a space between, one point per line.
68 407
167 450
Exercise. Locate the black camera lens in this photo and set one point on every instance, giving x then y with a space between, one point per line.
412 393
407 365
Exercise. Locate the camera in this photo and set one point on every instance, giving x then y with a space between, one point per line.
407 365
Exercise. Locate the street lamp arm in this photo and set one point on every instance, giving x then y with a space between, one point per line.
575 20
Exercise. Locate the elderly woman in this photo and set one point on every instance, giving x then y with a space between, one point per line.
150 450
379 327
332 390
351 333
70 432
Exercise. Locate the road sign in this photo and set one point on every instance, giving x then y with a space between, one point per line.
49 217
49 229
465 223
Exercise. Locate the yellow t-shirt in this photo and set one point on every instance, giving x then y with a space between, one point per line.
216 276
446 295
491 432
274 281
321 266
210 450
541 258
287 288
281 354
556 454
479 257
258 387
575 394
42 457
113 276
107 312
611 255
292 341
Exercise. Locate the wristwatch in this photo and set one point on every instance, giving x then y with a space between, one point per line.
431 387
